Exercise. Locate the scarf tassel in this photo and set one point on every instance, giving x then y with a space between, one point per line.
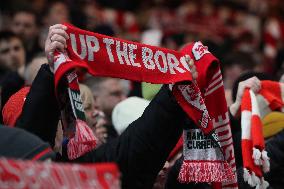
83 141
205 171
261 158
256 155
254 181
265 161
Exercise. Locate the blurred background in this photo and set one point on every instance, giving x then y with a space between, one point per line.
246 35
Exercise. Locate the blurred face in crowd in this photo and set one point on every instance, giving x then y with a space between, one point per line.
58 13
94 118
231 74
12 53
88 104
33 67
24 25
111 92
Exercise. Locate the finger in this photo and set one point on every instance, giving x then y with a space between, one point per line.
58 32
58 38
194 76
58 26
255 88
191 63
57 45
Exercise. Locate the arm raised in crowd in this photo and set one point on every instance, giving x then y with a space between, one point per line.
40 113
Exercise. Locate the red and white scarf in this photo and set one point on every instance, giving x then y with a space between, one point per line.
254 107
107 56
211 83
17 174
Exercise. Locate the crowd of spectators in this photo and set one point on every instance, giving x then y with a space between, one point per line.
245 35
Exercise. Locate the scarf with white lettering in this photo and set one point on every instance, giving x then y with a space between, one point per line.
254 107
198 148
107 56
17 174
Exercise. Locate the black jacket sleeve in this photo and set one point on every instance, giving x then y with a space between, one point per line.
236 134
40 112
142 149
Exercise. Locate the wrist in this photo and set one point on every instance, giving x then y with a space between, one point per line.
235 109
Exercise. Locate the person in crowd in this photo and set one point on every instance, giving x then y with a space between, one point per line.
94 118
57 12
107 92
33 67
12 52
234 64
12 63
123 114
25 24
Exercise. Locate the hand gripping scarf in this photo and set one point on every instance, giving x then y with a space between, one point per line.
254 107
107 56
17 174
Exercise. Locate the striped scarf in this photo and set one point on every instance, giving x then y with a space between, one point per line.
254 107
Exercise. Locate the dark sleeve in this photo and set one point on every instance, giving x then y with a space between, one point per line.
40 112
236 134
275 149
143 148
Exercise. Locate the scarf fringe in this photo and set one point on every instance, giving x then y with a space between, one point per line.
83 141
251 178
205 171
256 155
254 181
261 158
263 185
265 161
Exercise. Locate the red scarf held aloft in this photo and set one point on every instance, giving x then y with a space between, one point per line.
254 107
107 56
30 174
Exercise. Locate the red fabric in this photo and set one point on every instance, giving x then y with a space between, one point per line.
255 160
256 132
41 154
83 141
106 56
13 107
101 65
211 84
29 174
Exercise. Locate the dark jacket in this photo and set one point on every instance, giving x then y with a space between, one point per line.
140 151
